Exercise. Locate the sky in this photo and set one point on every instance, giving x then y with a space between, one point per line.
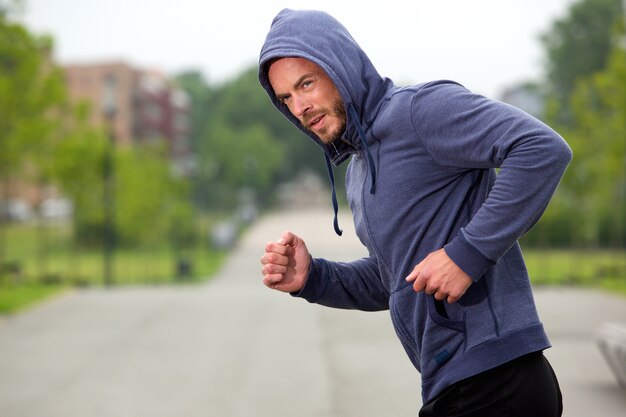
486 45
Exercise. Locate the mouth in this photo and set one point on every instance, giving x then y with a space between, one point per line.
315 122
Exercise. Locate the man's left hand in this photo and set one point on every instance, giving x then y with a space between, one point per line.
438 274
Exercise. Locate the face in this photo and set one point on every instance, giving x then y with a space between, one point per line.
310 95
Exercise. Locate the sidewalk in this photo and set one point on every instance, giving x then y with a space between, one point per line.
572 318
234 348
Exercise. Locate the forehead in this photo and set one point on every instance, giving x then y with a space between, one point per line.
284 72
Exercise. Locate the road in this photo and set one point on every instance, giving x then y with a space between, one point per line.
231 347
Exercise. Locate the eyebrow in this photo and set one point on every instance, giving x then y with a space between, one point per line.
299 81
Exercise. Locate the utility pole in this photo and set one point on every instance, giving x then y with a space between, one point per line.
109 105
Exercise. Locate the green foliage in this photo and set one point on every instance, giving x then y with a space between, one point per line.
202 98
578 45
247 103
151 204
30 88
598 135
587 105
586 268
77 162
16 298
43 140
243 142
241 158
31 92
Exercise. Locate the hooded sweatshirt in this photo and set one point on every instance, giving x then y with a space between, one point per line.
431 166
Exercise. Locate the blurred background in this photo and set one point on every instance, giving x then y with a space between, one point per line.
136 144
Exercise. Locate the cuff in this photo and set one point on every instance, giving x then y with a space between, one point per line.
314 287
467 257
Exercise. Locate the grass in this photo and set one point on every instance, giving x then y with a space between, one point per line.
603 269
36 263
85 268
17 298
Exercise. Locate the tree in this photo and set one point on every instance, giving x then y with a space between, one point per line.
228 117
235 159
577 46
585 53
598 136
77 167
243 103
149 202
30 88
31 91
202 99
151 205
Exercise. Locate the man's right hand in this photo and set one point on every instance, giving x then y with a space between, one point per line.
286 263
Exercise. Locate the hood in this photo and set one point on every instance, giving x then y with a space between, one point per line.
320 38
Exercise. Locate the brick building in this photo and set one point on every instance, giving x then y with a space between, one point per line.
141 106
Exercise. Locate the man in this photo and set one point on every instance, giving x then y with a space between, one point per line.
440 226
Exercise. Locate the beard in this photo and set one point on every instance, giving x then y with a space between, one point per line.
331 133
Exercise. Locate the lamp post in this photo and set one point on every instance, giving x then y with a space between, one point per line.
623 45
109 106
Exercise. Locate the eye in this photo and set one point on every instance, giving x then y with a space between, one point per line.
283 99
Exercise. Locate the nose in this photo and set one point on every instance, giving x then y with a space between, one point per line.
299 105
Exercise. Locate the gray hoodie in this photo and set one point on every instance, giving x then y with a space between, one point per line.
422 176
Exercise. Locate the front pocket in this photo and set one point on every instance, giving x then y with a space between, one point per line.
441 318
429 338
441 340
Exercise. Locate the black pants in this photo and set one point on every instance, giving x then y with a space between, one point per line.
524 387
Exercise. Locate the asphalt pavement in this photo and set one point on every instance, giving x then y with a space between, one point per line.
232 347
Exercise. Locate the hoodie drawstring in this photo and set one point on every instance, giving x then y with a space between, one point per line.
370 160
331 175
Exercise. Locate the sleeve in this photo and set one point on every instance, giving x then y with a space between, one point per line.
349 285
468 131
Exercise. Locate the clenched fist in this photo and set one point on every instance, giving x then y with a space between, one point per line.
286 263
